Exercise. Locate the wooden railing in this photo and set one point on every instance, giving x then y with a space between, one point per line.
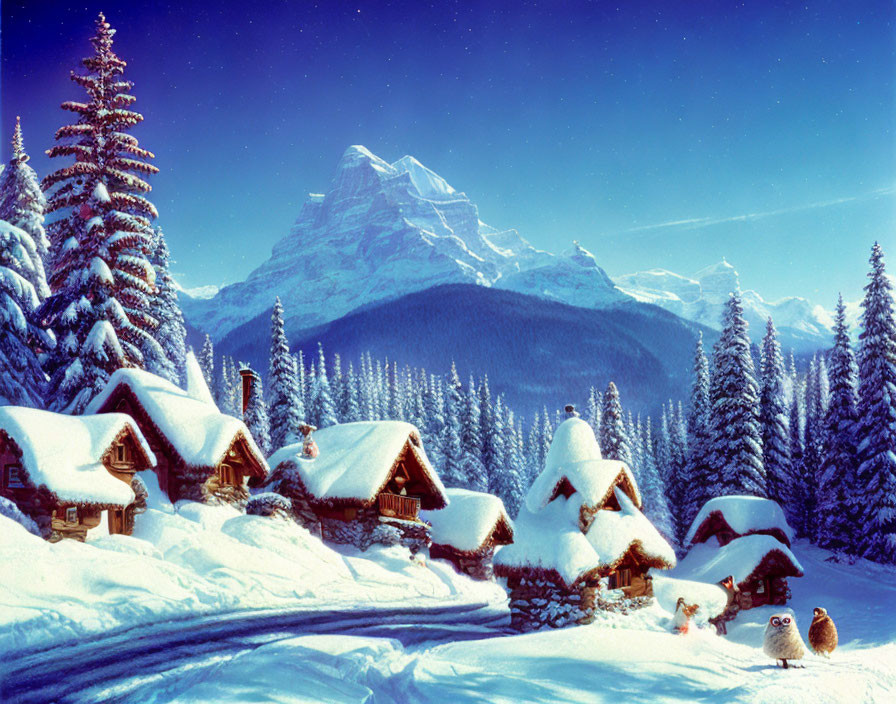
404 507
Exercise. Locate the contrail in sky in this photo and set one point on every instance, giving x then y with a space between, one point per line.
695 223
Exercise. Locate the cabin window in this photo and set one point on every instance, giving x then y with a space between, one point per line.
121 453
227 474
621 578
15 477
71 515
760 587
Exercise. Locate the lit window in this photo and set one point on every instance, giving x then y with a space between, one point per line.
71 515
15 477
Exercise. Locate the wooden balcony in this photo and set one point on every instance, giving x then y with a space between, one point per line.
406 508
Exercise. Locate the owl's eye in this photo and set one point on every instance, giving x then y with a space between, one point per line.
785 620
776 621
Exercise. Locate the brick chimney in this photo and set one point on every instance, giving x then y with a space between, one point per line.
248 377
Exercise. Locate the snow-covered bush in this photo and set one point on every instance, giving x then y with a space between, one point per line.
10 510
269 504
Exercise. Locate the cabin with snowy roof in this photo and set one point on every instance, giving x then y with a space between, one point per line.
360 483
63 471
468 530
746 539
581 542
202 454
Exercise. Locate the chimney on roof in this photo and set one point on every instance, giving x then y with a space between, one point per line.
571 411
248 378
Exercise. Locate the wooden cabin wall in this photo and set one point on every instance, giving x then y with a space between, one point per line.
88 518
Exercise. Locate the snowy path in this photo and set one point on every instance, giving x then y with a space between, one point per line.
111 668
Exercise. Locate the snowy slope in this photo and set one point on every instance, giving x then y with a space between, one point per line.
701 298
619 658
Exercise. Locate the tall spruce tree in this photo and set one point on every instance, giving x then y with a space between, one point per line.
813 452
206 361
101 281
875 491
171 333
794 502
699 468
472 468
773 419
837 478
451 441
614 441
653 491
256 416
736 440
284 402
592 414
23 205
322 411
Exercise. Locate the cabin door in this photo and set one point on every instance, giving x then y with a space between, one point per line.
116 521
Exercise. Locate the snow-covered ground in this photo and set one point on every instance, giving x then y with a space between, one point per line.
198 559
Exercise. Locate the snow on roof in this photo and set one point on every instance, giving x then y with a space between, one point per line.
706 562
196 385
548 540
745 514
468 521
354 459
197 431
64 453
613 532
575 455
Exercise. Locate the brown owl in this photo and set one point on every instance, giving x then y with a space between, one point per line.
822 633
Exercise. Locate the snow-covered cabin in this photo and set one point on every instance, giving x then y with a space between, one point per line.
747 539
64 471
581 541
365 476
467 531
729 517
202 454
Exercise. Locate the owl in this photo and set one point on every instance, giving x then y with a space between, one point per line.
782 639
822 632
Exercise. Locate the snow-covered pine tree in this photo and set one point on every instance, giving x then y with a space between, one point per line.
322 412
206 361
875 494
793 505
472 468
451 440
227 389
614 442
23 205
653 491
773 419
836 480
509 482
592 413
256 416
284 400
543 444
492 434
736 440
635 439
22 381
349 409
101 280
171 333
813 452
433 430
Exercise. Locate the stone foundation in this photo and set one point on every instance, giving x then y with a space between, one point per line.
369 528
477 565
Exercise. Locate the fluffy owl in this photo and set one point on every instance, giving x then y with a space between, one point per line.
822 632
782 639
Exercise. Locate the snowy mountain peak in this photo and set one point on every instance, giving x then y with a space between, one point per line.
581 256
427 182
718 281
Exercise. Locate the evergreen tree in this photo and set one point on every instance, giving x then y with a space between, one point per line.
614 441
286 412
171 333
736 449
773 419
22 381
699 468
794 503
206 361
875 494
349 406
836 480
472 468
592 415
510 483
322 411
23 205
229 391
102 281
256 416
451 441
433 429
653 493
492 435
806 493
336 386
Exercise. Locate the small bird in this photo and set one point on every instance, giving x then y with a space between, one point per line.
683 614
822 633
782 639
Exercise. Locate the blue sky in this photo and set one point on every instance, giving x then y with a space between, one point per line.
658 135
